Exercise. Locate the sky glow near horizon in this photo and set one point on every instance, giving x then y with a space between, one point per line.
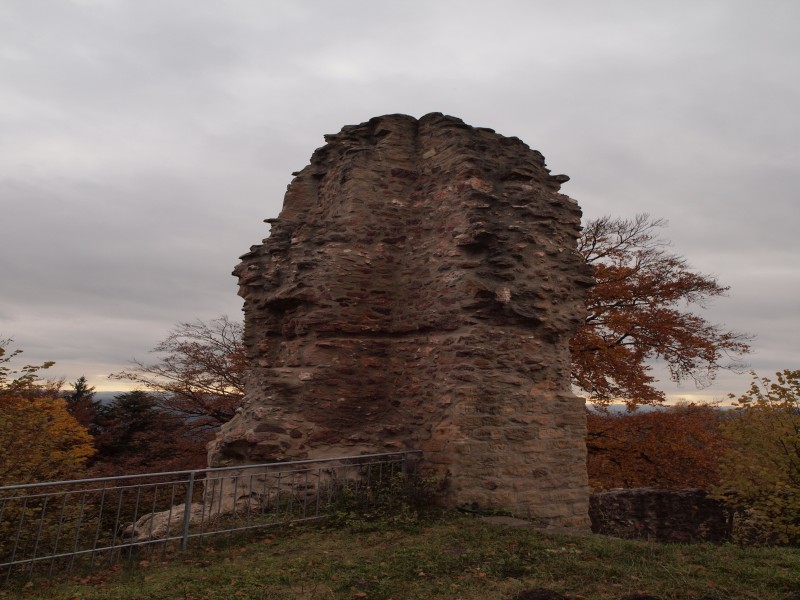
142 143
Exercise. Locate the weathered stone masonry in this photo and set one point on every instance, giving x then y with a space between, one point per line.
419 290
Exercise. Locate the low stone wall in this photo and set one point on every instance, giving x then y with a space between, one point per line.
684 516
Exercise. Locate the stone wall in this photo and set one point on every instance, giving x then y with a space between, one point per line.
419 290
660 515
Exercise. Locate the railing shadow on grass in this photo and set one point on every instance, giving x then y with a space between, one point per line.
85 524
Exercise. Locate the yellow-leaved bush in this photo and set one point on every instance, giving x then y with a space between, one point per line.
760 474
41 440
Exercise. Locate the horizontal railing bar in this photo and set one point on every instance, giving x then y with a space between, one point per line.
207 470
95 489
165 482
293 471
153 542
254 526
27 561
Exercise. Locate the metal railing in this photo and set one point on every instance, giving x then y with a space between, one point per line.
61 526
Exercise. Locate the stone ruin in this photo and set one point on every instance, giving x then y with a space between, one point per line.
418 291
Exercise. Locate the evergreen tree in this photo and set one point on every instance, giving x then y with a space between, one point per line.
82 405
137 435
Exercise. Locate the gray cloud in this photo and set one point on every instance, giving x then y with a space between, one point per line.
142 143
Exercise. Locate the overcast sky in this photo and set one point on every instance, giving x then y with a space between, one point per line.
143 142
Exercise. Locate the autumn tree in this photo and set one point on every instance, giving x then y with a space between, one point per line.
637 314
671 448
199 375
761 474
40 440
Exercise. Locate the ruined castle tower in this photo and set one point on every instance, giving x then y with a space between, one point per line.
418 291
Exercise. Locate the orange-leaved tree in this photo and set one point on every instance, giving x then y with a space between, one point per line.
671 448
636 315
40 439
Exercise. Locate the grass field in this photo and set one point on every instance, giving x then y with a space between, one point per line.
447 556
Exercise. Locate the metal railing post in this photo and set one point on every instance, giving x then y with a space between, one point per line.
187 512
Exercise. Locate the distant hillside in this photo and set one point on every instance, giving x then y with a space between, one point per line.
107 397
